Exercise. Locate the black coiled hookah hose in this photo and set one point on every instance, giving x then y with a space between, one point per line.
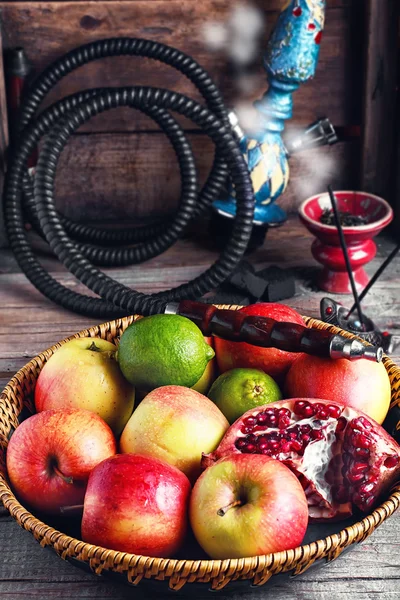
80 247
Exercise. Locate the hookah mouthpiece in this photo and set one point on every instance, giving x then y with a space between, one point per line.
235 326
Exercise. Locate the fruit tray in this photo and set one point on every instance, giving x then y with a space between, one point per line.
190 572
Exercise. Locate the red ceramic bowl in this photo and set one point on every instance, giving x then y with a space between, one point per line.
359 239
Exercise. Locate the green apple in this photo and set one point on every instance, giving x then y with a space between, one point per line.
83 373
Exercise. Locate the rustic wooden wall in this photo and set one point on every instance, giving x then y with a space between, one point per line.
119 166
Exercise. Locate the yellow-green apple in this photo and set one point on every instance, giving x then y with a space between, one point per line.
83 373
51 454
136 504
175 424
361 384
247 505
274 362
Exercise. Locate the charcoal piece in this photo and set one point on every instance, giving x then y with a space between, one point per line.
245 279
227 294
281 284
279 290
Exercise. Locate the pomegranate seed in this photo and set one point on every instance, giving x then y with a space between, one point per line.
363 502
308 411
253 439
360 423
305 438
369 502
262 418
293 435
366 488
341 424
271 411
273 420
299 406
250 421
354 477
274 445
391 461
246 429
361 441
296 446
285 447
284 412
317 434
262 446
284 421
358 467
361 452
240 443
334 411
258 428
372 478
323 414
266 451
305 428
250 448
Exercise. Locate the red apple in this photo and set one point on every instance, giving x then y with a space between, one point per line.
276 363
83 373
176 425
361 384
136 504
247 505
51 454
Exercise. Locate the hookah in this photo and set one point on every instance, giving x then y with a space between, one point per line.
291 59
258 170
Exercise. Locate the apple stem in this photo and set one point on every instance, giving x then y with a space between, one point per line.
66 478
74 509
222 511
94 348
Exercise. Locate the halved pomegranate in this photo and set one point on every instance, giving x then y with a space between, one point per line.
342 457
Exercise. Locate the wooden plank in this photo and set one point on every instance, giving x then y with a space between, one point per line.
380 97
272 4
3 141
118 176
48 29
370 570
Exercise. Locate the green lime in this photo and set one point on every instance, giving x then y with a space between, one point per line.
163 350
239 390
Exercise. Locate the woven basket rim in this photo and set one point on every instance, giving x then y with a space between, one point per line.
191 570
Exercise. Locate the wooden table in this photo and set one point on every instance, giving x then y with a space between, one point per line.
29 323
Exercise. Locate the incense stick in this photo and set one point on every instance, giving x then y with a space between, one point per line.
346 255
379 272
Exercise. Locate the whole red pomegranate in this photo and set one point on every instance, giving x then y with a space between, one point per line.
231 355
361 384
342 458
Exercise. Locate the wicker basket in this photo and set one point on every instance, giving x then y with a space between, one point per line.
159 573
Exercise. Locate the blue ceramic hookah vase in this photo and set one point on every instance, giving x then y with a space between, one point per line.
291 59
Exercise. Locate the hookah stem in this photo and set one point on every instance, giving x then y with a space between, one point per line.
379 272
346 255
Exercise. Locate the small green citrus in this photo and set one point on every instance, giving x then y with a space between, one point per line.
163 350
238 390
